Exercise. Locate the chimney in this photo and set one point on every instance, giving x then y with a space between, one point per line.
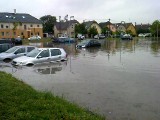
14 11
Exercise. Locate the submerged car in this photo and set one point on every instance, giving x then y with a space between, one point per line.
5 46
64 40
15 52
34 38
41 55
88 43
126 37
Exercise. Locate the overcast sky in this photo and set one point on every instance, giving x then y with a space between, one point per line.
139 11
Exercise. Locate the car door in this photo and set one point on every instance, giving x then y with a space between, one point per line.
55 54
20 52
44 56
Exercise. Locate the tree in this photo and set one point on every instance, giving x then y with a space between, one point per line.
80 28
92 32
48 23
155 28
105 30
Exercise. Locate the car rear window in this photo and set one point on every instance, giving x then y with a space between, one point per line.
55 52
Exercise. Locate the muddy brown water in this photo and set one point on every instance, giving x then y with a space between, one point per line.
120 79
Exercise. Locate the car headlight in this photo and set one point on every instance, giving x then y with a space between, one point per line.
83 46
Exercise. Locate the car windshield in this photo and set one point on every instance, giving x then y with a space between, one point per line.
33 53
84 42
11 50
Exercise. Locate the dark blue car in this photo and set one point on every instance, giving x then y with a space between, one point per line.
88 43
64 40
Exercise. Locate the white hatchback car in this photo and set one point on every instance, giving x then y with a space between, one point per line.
41 55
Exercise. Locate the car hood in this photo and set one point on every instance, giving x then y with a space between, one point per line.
23 59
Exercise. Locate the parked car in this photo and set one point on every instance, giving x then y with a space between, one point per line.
18 40
126 37
80 37
15 52
5 46
2 41
99 36
34 38
41 55
88 43
64 40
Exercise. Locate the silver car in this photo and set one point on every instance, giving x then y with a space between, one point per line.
41 55
15 52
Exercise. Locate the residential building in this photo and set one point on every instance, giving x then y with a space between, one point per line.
109 25
19 24
90 24
66 28
126 27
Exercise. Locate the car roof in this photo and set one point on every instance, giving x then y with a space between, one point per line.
48 48
24 46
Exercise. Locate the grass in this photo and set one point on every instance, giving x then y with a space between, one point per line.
19 101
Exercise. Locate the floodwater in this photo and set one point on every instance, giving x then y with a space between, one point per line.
120 79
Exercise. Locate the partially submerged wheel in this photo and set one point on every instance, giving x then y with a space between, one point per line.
7 60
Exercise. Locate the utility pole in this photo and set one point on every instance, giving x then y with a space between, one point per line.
109 27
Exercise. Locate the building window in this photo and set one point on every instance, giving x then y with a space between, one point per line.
1 25
25 27
7 33
14 33
37 25
2 33
38 33
7 26
31 33
22 33
31 25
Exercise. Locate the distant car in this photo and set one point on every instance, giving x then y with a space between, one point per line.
41 55
5 46
100 36
88 43
126 37
80 37
64 40
2 41
15 52
34 38
18 40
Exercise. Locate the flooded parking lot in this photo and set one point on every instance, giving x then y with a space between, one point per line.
120 79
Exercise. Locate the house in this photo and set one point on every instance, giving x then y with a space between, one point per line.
126 27
66 28
142 28
19 24
109 25
90 24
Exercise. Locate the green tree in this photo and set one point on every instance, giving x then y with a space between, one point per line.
92 32
155 28
80 28
48 23
104 30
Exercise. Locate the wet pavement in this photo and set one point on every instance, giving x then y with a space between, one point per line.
120 79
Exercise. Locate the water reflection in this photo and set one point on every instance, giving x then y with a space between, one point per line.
50 68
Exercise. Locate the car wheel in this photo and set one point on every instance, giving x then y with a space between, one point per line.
7 60
30 64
